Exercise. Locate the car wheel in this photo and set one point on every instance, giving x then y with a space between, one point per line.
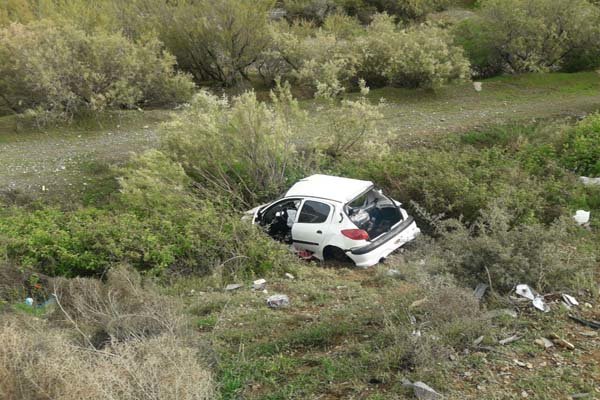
336 255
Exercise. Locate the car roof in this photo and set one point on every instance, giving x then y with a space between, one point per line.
329 187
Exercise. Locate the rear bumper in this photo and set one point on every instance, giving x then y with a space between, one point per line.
372 253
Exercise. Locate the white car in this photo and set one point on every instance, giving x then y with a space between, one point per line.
329 217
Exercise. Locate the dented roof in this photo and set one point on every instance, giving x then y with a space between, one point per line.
329 187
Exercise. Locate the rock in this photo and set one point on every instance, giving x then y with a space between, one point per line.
278 301
290 276
543 343
259 284
233 286
422 390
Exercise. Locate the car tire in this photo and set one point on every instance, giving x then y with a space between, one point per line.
335 254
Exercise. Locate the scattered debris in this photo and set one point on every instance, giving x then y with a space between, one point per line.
278 301
543 343
525 291
582 217
569 300
393 273
477 86
259 284
233 286
422 390
290 276
501 312
477 341
510 339
589 181
537 300
522 364
589 324
561 342
480 291
29 301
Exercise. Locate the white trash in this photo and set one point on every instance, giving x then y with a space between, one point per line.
589 181
259 284
29 301
582 217
477 86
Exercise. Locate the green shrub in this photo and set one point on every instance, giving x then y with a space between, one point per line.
245 151
402 9
340 54
60 71
493 249
518 36
581 151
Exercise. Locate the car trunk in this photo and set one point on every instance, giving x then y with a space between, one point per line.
374 213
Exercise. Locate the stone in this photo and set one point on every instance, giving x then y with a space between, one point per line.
278 301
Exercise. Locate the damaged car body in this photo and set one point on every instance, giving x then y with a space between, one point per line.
330 217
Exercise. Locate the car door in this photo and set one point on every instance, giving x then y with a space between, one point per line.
312 225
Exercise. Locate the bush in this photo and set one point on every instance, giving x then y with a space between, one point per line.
402 9
581 151
38 364
518 36
158 226
547 257
245 150
123 308
340 54
60 71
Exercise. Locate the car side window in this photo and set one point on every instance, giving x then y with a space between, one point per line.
314 212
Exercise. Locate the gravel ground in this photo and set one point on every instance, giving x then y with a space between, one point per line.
59 161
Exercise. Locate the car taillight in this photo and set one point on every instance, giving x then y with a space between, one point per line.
355 234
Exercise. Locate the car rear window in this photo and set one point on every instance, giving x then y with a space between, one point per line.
314 212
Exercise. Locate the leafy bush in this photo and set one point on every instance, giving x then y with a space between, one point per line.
548 257
159 226
532 35
341 53
581 151
403 9
244 150
61 71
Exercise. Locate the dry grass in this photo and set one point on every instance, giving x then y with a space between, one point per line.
125 307
38 364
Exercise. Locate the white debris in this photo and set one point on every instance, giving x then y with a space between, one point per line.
478 341
569 300
233 286
543 342
393 273
479 291
540 304
278 301
589 181
537 300
289 276
259 284
525 291
29 301
582 217
477 86
510 339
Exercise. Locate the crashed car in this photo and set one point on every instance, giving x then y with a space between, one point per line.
330 217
